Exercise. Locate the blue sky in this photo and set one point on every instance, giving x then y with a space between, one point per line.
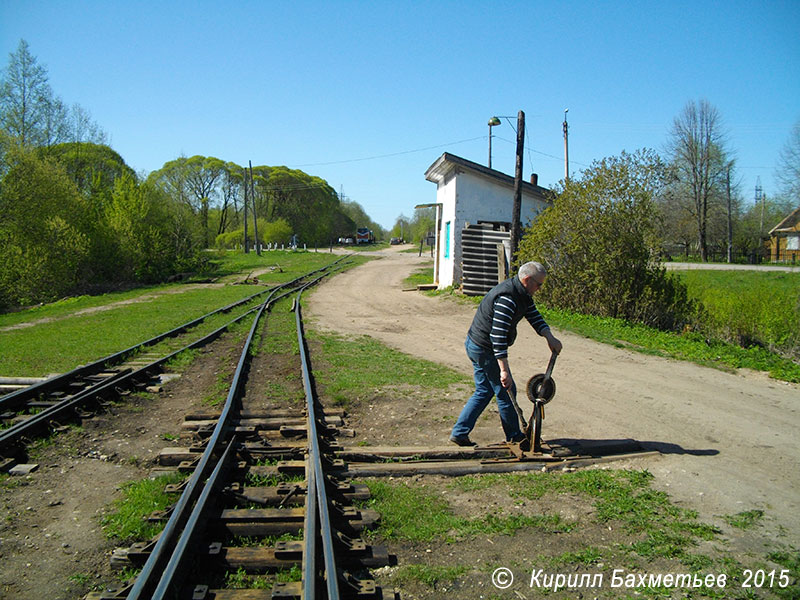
368 94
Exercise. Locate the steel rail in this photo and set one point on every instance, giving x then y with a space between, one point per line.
163 569
316 478
30 426
19 397
163 565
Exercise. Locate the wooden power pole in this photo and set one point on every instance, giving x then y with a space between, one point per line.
246 247
253 198
516 228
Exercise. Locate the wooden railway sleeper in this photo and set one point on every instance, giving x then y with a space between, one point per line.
135 556
110 593
285 554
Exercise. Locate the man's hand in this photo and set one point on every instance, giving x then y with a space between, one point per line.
552 341
505 373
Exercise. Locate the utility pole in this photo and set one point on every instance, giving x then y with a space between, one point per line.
566 147
760 198
246 247
253 198
516 229
730 217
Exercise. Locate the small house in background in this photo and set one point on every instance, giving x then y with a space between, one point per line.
784 239
474 205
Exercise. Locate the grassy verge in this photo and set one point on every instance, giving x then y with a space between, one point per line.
62 344
273 266
690 346
749 307
356 365
127 522
645 532
63 337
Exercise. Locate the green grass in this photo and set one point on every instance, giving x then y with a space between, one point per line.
358 365
69 339
686 346
744 520
289 265
63 344
419 277
412 513
749 307
431 576
126 523
737 302
652 535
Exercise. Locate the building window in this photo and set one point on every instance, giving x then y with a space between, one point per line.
447 240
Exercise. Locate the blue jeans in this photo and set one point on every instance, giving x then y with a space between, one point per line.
487 385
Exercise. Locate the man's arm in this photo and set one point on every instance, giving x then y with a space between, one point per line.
552 341
542 328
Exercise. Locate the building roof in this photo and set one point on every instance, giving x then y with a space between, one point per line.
447 163
790 223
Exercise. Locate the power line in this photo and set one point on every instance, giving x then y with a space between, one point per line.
351 160
558 158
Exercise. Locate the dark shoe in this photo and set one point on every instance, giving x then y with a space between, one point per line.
462 440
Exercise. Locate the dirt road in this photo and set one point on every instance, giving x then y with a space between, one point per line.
729 442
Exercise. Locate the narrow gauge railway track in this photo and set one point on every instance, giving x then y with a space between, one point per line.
195 547
39 408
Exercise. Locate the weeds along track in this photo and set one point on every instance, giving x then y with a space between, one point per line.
36 410
258 475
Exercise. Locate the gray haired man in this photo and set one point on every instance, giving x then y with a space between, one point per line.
493 330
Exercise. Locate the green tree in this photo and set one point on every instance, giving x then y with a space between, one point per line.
93 167
360 218
307 203
43 230
402 228
600 244
194 182
31 114
25 98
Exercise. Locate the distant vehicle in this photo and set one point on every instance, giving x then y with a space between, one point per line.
364 235
348 241
395 241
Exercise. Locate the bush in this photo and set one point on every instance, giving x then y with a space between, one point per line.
275 232
600 245
42 229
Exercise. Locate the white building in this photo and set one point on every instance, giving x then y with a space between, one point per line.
468 194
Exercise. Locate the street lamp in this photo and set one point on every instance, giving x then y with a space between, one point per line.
494 121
